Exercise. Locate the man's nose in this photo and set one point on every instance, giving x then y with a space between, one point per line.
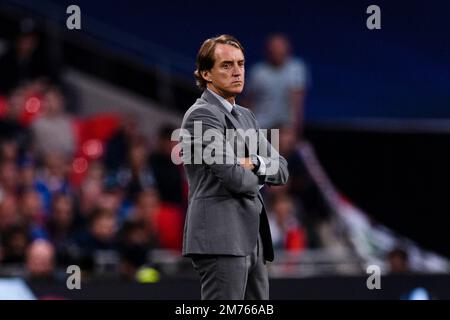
237 71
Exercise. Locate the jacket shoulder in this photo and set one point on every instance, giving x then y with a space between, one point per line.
201 109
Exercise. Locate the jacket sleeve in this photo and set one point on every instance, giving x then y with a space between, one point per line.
276 171
204 150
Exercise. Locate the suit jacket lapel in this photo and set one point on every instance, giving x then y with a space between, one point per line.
213 101
209 97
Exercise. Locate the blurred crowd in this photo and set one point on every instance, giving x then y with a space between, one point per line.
95 192
78 190
82 191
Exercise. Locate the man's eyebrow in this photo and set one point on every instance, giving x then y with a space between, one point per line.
231 61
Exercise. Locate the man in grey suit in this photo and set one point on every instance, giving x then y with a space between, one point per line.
226 232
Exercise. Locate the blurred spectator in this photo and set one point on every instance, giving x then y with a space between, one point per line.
31 207
277 87
287 231
110 200
8 150
14 244
62 217
62 228
27 176
26 60
9 214
91 188
99 237
117 147
101 233
54 130
53 173
13 133
40 260
97 245
137 174
134 247
32 180
9 176
163 221
398 261
169 177
32 215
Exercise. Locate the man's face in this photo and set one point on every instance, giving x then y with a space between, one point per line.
104 228
227 75
278 50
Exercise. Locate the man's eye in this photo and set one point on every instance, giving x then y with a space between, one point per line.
226 66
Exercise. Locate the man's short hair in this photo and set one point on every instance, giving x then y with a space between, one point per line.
205 56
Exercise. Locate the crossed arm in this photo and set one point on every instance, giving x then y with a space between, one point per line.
236 174
275 165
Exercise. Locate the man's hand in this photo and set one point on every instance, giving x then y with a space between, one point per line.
246 163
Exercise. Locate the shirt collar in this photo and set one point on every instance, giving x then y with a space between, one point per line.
224 101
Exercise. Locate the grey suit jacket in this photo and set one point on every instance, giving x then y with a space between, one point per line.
226 210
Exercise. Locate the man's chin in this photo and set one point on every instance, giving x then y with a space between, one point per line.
236 89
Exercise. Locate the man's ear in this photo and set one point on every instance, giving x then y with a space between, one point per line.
206 75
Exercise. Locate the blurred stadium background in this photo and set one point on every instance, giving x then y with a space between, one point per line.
86 118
